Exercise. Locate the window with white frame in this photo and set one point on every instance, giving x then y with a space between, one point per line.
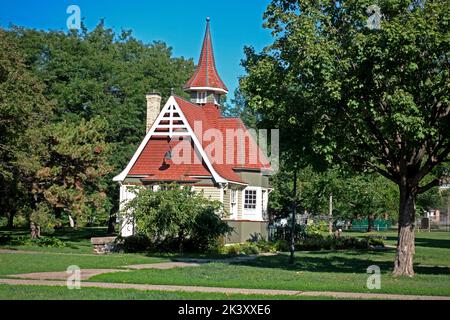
201 97
250 199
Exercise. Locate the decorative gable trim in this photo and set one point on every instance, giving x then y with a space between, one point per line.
171 107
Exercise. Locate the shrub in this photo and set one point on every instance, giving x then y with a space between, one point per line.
42 241
377 242
178 215
133 244
249 248
282 245
265 246
336 243
315 243
5 239
51 242
316 229
3 222
362 243
234 249
207 230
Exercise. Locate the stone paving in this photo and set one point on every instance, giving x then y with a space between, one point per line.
85 274
149 287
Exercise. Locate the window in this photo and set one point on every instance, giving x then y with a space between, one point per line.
250 199
201 97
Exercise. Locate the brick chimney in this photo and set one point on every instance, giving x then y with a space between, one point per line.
153 108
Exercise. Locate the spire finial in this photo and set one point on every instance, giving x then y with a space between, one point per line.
205 74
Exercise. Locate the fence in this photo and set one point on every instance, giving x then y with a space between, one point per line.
378 225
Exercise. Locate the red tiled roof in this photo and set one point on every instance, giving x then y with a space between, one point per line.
206 74
210 117
150 163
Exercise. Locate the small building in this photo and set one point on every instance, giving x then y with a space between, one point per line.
434 216
189 142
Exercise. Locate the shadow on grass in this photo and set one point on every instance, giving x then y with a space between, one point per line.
73 238
77 235
433 243
339 264
65 234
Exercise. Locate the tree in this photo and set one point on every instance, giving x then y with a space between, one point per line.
175 213
24 110
100 73
239 109
73 163
354 195
369 196
373 98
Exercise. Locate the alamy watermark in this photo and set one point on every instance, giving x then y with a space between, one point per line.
74 278
73 22
237 147
374 280
374 20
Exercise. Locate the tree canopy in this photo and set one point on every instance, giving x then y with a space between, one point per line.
371 98
73 108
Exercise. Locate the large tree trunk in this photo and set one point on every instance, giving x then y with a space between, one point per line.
11 215
405 243
370 221
111 223
180 240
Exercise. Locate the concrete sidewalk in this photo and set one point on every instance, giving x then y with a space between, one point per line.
149 287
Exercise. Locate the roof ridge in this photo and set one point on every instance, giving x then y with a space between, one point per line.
187 101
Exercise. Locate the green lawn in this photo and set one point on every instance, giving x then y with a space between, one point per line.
321 271
312 271
20 292
12 263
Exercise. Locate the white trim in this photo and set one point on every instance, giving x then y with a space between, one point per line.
206 89
167 133
200 177
128 224
167 109
175 126
200 97
234 204
239 183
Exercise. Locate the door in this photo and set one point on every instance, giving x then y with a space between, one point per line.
233 204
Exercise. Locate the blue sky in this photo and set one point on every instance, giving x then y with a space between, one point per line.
181 24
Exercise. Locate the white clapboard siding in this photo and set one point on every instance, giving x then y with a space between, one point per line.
212 193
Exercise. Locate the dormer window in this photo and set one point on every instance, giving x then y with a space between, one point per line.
217 99
201 97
